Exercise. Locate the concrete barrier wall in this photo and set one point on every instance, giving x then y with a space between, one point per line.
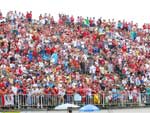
137 110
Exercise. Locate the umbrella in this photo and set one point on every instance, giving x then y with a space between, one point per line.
66 106
89 108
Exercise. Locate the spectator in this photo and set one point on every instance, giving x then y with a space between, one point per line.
57 58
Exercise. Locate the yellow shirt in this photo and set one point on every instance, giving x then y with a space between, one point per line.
102 70
137 52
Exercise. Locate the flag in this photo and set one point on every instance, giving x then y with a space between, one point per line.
9 100
96 99
54 58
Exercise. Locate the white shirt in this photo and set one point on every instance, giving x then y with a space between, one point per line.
74 43
92 69
14 89
138 39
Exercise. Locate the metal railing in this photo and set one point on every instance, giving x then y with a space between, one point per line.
103 100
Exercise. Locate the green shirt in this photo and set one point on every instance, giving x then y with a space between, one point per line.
148 91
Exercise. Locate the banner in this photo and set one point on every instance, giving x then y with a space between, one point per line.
9 100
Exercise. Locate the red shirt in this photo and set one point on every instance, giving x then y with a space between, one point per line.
144 26
148 26
91 21
82 92
85 33
2 84
24 90
102 61
35 53
94 91
72 19
54 91
69 91
53 50
97 69
46 90
19 71
29 15
60 21
124 48
94 36
17 50
35 37
48 51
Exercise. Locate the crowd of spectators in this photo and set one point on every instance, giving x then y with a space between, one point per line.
72 55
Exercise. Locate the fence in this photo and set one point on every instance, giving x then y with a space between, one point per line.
103 100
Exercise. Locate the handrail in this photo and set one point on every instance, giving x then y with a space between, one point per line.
45 101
